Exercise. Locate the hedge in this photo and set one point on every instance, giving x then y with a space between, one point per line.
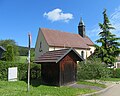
114 73
22 70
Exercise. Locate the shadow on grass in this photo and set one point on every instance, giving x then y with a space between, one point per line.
38 82
34 82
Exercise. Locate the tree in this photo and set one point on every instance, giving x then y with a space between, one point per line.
9 55
109 49
10 42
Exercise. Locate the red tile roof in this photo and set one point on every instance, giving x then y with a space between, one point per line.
65 39
57 55
88 41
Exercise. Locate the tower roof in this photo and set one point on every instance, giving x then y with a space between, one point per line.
81 23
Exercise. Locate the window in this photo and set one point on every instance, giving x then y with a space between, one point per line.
82 54
40 48
90 52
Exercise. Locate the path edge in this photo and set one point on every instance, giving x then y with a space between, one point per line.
98 92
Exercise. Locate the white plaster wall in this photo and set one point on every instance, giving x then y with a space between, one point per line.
92 49
80 50
44 45
55 48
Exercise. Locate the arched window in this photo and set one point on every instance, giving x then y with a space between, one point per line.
82 54
90 52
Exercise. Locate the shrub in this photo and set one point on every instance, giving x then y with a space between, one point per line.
92 69
111 72
22 70
117 73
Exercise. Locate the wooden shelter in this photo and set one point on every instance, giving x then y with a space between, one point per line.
59 67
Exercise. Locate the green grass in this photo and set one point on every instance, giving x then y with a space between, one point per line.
111 79
92 84
19 88
22 59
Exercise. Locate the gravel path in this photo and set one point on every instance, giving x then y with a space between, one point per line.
110 91
86 86
114 91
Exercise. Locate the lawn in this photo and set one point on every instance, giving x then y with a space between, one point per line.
19 88
22 59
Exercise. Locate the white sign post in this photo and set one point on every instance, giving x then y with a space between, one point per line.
29 37
12 74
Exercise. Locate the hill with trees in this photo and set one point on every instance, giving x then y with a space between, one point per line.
13 50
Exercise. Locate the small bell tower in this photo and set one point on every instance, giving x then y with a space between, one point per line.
81 28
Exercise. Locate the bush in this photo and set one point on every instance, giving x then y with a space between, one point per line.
92 69
22 70
111 72
117 73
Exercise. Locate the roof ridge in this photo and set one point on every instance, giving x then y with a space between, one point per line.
59 31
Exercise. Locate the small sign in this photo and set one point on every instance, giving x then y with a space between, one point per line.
12 74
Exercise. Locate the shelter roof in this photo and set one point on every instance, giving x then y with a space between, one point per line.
57 55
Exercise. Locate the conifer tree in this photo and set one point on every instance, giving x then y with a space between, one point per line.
10 53
10 45
109 49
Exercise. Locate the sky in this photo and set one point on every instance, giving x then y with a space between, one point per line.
19 17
